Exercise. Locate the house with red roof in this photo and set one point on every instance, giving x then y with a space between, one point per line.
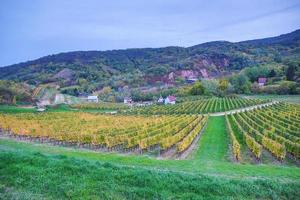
170 99
262 81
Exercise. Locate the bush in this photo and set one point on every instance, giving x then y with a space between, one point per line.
197 89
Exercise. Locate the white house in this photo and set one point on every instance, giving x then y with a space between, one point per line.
160 100
191 80
41 109
170 100
128 100
93 99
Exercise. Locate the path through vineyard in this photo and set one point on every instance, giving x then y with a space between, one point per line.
213 145
243 109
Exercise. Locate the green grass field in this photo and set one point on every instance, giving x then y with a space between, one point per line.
37 171
214 142
15 109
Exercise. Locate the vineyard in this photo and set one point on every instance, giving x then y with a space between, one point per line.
169 130
121 133
200 105
100 106
275 128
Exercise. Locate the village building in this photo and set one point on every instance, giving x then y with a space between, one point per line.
41 105
262 81
112 112
41 109
191 80
160 100
128 100
170 100
93 99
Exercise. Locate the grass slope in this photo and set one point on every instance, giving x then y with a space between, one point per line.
27 175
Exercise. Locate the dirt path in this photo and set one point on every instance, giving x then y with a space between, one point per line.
243 109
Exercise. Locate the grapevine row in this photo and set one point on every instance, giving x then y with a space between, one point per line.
204 105
236 148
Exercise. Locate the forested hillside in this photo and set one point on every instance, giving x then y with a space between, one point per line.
93 70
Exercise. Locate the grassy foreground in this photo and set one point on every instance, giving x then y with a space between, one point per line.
36 171
36 176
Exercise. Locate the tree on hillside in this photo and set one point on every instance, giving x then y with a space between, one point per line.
223 84
253 73
183 91
240 83
106 90
272 73
290 72
197 89
211 86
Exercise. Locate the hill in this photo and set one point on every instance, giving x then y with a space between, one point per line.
93 70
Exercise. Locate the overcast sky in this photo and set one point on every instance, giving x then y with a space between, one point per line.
30 29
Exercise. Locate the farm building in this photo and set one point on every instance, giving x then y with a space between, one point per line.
41 109
93 99
128 100
191 80
262 81
160 100
170 100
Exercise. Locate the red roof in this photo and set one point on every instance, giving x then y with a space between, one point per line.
262 80
172 98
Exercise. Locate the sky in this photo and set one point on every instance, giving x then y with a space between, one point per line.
34 28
